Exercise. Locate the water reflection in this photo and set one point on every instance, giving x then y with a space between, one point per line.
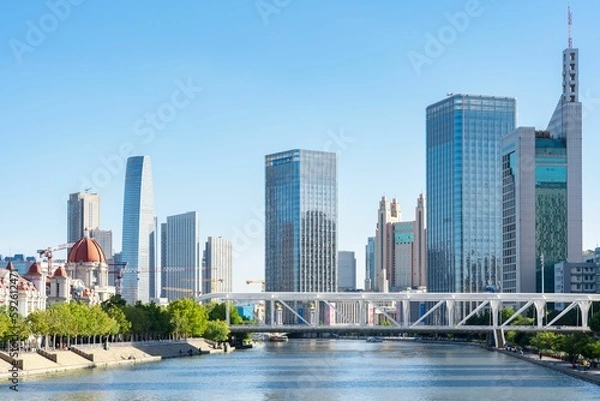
320 370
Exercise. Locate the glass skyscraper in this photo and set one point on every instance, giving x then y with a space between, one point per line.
138 230
542 192
301 221
181 271
464 191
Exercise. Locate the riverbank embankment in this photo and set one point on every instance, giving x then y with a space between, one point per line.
591 375
88 357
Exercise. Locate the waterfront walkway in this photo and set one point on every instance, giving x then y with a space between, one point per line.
81 357
592 375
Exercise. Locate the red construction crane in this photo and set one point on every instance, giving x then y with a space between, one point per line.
47 253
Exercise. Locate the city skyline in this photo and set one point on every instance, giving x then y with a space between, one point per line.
347 94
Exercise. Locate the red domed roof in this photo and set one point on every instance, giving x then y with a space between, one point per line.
60 272
86 250
34 270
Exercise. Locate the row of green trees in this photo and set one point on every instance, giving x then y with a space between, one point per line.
567 346
114 320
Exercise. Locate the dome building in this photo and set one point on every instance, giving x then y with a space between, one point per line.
87 272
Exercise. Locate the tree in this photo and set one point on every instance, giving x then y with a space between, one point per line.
592 350
216 311
545 340
39 324
187 318
217 330
594 323
573 345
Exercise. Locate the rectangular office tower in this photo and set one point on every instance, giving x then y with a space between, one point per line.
464 191
217 265
301 221
83 212
542 192
181 271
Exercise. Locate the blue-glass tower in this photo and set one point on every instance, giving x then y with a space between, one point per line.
464 190
138 231
301 221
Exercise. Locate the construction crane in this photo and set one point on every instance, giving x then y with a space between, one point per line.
261 282
47 253
213 281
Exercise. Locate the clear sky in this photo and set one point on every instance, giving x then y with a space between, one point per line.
208 88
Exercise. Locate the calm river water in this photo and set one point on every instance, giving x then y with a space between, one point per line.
319 370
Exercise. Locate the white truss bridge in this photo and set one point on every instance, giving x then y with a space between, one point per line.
405 312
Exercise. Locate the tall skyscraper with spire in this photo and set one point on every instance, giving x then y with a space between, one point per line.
542 190
138 230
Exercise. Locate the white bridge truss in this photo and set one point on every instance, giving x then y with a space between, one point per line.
410 312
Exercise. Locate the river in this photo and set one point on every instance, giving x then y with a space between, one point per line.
319 370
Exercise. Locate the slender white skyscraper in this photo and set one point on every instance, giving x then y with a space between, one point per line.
138 229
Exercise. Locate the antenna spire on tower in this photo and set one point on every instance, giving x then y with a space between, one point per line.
570 20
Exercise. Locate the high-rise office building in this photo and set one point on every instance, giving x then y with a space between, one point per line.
155 278
464 191
346 271
370 264
419 268
400 247
301 221
163 257
217 265
181 273
387 215
138 229
83 212
104 239
542 192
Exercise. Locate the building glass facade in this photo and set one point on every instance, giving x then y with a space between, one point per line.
138 229
464 191
301 221
181 272
370 264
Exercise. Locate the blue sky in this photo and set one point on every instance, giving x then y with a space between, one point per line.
81 84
